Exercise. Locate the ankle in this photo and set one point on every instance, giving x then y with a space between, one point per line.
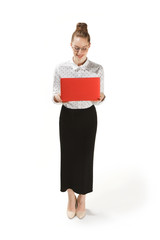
71 195
81 199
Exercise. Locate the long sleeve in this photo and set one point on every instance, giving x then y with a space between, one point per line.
68 69
56 84
101 75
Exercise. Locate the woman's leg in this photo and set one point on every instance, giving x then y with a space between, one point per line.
81 202
71 200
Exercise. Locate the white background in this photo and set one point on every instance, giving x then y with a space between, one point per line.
125 37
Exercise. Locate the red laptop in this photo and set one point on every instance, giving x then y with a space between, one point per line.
80 89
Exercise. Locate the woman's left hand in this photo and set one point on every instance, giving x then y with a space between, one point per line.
102 97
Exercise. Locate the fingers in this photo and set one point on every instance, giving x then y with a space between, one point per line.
57 98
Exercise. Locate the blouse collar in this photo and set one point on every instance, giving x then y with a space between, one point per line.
83 66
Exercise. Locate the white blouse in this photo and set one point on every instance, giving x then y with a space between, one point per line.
69 69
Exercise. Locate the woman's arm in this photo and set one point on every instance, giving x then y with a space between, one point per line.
102 95
56 86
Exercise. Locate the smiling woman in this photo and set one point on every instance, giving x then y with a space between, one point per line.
77 124
80 43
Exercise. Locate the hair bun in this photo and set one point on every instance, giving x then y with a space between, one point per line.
81 27
81 31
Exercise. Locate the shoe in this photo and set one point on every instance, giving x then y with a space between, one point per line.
71 214
80 214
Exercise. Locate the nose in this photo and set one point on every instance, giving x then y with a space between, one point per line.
80 50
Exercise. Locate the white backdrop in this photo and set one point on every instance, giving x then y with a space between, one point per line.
35 36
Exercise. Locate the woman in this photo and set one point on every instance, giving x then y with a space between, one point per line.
77 124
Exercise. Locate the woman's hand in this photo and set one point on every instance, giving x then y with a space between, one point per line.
57 98
102 97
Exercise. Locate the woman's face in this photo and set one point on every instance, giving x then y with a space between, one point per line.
80 48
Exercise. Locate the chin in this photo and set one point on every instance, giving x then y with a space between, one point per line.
81 59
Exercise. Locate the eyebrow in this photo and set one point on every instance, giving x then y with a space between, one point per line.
82 47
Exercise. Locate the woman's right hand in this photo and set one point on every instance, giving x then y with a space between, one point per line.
57 98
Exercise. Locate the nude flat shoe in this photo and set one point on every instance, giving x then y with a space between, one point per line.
71 214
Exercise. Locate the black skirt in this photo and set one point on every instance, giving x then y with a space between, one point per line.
77 131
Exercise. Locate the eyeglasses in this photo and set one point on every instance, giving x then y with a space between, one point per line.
76 49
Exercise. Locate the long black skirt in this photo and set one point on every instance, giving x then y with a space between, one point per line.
77 129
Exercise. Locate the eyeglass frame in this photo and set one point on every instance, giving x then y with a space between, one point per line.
77 50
